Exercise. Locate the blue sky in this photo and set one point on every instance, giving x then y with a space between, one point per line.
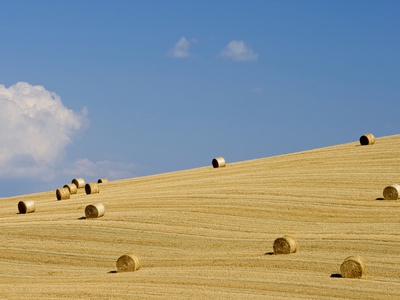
122 89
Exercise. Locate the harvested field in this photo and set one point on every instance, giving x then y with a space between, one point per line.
209 232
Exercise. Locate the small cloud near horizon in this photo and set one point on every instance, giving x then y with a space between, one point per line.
239 51
105 168
181 48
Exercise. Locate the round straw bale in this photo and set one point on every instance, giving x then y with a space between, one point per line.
94 211
128 263
79 182
62 194
391 192
367 139
352 267
92 188
285 245
72 188
26 206
102 180
219 162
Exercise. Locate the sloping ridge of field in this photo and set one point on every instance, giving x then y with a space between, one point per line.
208 233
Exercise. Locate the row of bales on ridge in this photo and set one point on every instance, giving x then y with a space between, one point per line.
65 192
78 183
351 267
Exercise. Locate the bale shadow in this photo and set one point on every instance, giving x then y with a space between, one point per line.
336 275
269 253
380 198
112 272
82 218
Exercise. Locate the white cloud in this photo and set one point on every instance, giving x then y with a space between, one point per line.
35 129
181 48
111 170
239 51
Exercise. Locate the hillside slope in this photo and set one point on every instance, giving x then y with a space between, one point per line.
208 233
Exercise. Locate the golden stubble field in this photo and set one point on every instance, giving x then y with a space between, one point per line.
208 233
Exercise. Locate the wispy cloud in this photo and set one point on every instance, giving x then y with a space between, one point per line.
239 51
258 90
105 168
35 129
181 48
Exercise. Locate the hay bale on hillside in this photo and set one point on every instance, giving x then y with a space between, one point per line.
92 188
25 207
73 189
93 211
79 182
352 267
128 263
218 162
285 245
102 180
62 193
367 139
392 192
